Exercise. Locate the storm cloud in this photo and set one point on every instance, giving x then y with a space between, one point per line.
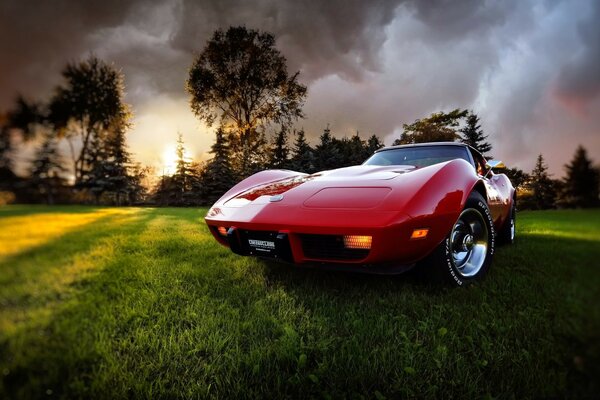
528 68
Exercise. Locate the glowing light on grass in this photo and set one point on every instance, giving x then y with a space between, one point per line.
19 234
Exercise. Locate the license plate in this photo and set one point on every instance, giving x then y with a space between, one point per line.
264 247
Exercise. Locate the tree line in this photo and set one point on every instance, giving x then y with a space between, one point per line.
240 86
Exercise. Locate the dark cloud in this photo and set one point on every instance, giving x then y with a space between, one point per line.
318 37
369 65
579 80
39 37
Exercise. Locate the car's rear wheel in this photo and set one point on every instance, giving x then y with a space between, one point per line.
508 231
466 253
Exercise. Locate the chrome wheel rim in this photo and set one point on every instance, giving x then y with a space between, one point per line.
469 242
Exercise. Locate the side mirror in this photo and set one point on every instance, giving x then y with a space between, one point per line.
491 164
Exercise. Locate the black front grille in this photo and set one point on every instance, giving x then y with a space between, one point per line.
329 247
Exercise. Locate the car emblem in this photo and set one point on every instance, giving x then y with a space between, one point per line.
275 198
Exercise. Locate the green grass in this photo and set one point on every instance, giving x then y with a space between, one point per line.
142 303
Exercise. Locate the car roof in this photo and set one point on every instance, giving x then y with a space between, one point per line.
457 144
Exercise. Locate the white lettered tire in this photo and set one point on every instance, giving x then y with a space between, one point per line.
466 253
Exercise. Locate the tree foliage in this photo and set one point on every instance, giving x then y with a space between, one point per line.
109 165
327 152
218 177
279 158
46 175
581 184
88 103
473 135
303 157
438 127
24 120
373 144
541 186
517 176
240 80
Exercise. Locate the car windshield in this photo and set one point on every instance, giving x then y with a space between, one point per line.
419 156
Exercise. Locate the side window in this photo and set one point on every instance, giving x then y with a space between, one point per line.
479 162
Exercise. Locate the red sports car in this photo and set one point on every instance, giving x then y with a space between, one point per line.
435 204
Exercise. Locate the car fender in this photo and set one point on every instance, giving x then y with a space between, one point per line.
259 178
439 201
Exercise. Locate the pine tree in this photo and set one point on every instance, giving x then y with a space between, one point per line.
542 187
137 175
581 185
181 178
303 158
472 134
279 150
218 176
358 151
352 151
327 153
374 144
46 174
117 164
108 160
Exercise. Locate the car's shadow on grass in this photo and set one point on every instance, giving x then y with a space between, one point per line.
339 281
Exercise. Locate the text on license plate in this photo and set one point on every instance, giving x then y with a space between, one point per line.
262 245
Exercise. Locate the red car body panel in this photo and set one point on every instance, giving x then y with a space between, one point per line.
385 202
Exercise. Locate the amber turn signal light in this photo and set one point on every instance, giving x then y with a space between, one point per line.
222 231
357 242
420 233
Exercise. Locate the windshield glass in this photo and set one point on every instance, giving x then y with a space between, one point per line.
418 156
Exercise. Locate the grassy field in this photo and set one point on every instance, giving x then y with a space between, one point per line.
141 302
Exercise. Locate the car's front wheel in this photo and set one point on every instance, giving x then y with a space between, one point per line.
466 253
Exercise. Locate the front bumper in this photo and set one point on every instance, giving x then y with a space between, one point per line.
391 243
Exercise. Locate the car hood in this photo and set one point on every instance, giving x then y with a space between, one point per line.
335 188
353 196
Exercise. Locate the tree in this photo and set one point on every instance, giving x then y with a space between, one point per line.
218 177
327 152
138 182
279 150
472 134
581 184
438 127
353 151
108 164
303 158
374 144
517 176
24 119
240 80
543 191
88 103
6 163
181 177
46 173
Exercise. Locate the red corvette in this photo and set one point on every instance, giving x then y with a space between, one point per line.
435 204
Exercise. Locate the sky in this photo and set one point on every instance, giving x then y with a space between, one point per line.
530 69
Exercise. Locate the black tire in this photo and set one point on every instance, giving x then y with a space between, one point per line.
509 229
466 254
